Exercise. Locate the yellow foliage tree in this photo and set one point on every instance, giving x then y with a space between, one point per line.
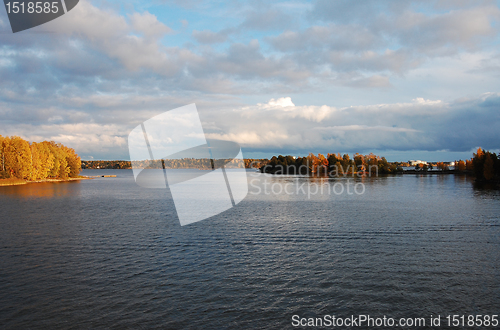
19 159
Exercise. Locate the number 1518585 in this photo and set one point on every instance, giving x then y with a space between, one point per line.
38 7
472 320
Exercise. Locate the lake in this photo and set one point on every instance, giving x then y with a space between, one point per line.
106 253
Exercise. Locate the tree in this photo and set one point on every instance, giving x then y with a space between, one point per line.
478 164
346 162
18 158
479 153
36 163
468 165
322 164
2 157
74 162
60 168
332 158
488 171
460 166
442 166
359 160
383 166
46 158
313 163
485 165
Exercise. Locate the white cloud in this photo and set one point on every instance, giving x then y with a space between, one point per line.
148 25
135 42
281 102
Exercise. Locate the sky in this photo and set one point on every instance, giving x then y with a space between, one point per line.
402 79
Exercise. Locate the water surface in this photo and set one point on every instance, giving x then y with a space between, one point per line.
105 253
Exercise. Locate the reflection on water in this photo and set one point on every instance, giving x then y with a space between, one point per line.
42 190
491 187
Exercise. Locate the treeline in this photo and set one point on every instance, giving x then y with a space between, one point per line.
36 161
486 166
331 164
189 163
106 164
185 163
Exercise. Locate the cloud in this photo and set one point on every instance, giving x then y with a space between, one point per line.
360 46
266 18
97 72
341 37
135 42
281 102
279 124
430 125
148 25
386 37
456 29
209 37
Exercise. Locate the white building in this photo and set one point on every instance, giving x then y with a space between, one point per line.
416 162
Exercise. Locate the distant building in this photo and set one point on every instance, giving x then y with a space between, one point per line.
416 162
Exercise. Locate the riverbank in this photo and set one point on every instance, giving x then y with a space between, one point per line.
17 182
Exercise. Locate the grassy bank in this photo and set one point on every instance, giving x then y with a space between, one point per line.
16 182
12 182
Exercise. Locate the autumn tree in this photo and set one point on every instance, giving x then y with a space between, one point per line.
488 171
346 162
486 165
73 160
468 165
18 158
460 166
442 166
478 164
322 164
46 159
3 173
60 168
359 160
36 163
